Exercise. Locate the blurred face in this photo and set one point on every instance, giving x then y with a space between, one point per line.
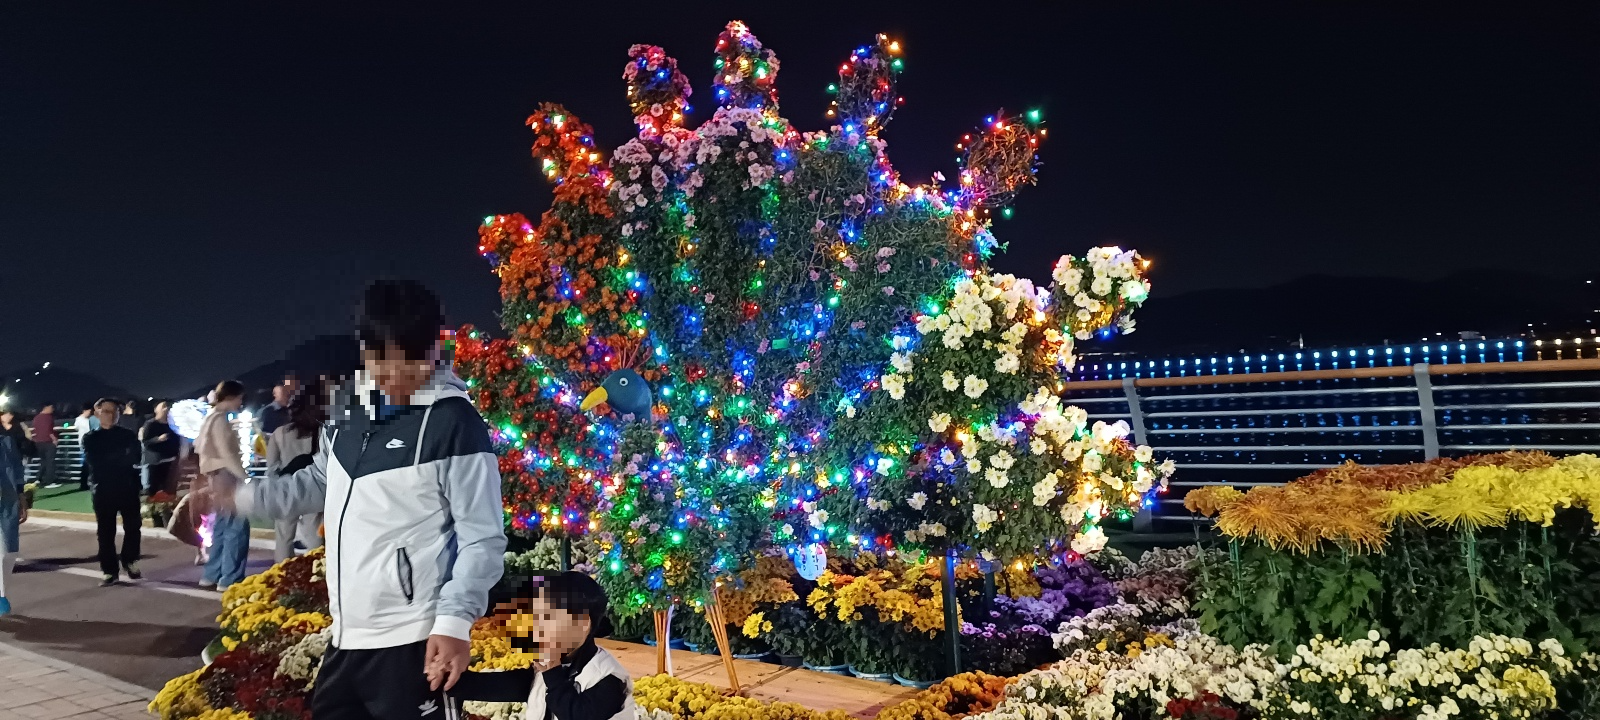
547 631
7 417
107 413
231 404
161 409
281 394
397 376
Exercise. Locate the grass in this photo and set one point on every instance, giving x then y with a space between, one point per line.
68 498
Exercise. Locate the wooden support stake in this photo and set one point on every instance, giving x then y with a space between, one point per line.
663 639
719 630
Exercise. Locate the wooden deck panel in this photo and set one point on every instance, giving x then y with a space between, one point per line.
765 681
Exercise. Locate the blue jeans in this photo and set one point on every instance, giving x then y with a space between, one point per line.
230 548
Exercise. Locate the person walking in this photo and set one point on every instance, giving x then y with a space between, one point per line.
111 454
14 446
44 441
161 445
292 447
410 486
223 469
86 422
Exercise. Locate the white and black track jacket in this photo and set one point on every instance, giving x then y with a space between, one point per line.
411 507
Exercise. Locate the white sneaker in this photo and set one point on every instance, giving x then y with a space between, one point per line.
207 585
52 486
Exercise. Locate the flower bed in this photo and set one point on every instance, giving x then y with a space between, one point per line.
1309 614
1437 552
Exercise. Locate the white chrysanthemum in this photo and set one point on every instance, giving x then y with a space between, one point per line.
1002 459
900 361
947 457
973 386
997 477
818 518
884 466
1143 453
1045 490
983 517
896 385
939 422
974 465
1090 541
949 381
1007 363
917 500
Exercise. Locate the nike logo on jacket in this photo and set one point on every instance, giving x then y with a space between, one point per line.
412 509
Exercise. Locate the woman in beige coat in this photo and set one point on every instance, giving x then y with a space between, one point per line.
222 466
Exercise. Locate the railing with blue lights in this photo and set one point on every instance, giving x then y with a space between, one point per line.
1267 418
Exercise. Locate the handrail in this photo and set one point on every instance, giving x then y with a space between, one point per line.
1398 371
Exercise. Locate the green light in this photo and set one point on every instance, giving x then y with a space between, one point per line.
616 566
1006 213
897 64
832 88
1033 116
488 219
833 301
677 537
718 63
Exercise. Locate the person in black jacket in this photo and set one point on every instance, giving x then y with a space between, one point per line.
160 456
556 618
111 455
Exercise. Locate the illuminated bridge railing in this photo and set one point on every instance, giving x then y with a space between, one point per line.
1270 427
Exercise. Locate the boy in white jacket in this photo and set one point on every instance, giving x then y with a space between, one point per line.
410 490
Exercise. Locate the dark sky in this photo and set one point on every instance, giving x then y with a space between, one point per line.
187 190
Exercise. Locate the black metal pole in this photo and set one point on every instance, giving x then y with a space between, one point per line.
566 553
988 590
952 613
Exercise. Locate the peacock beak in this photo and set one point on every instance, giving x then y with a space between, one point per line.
595 397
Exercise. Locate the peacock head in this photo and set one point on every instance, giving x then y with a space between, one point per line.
625 391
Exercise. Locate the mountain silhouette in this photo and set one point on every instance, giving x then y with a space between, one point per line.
1327 311
28 389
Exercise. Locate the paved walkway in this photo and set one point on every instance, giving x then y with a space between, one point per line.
39 687
72 649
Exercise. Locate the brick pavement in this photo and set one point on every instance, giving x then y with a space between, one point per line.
36 687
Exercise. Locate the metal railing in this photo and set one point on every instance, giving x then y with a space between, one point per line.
1267 428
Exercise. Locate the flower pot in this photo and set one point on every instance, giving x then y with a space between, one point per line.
830 669
692 647
758 657
649 640
212 650
887 678
678 644
789 660
918 684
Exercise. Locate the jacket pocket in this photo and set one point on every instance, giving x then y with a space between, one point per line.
402 568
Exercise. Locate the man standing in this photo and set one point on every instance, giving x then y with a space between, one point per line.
111 454
86 422
130 417
276 413
160 455
411 490
44 437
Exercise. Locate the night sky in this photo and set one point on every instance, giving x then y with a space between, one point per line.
189 189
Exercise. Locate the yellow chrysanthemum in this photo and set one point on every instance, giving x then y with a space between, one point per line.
1208 501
